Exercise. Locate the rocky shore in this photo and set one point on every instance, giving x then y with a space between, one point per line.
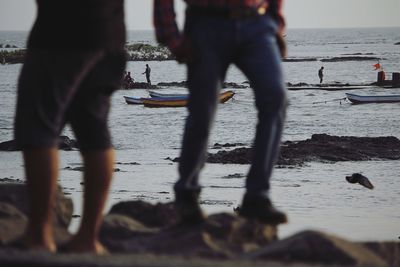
148 52
142 234
320 148
64 143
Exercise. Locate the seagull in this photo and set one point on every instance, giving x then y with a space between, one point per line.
361 179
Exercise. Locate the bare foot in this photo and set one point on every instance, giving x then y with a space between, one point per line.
28 243
75 246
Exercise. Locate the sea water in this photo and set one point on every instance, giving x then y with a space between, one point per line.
315 196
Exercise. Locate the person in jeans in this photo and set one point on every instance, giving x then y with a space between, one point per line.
247 33
75 60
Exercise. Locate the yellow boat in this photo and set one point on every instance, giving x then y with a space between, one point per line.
171 103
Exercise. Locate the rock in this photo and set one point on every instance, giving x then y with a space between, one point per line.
65 143
140 85
350 58
218 145
12 223
15 194
321 147
318 248
234 85
158 215
389 251
184 84
173 84
360 179
398 43
240 155
118 228
221 236
299 59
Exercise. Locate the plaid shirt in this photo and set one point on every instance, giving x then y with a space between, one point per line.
167 31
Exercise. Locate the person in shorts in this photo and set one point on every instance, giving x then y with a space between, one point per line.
75 61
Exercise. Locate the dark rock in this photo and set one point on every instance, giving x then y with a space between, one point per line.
159 215
389 251
358 54
234 85
140 85
321 147
297 84
318 248
127 163
15 194
221 236
184 84
234 176
10 180
299 59
240 155
174 84
350 58
12 223
117 228
359 179
398 43
81 169
64 143
218 145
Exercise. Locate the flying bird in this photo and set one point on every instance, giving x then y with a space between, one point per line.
361 179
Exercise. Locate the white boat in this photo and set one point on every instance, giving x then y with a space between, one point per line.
159 102
133 100
161 95
361 99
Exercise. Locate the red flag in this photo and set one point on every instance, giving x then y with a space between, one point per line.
377 66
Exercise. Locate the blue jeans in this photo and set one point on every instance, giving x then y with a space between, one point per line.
251 45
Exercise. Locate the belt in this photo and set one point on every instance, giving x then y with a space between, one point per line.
226 13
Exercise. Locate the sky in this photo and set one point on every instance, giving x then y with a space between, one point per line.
20 14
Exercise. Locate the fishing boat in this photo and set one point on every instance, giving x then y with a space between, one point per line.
361 99
175 102
161 95
133 100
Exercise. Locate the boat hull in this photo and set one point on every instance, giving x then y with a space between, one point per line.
363 99
133 100
160 102
161 95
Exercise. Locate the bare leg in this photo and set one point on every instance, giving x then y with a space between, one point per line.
99 167
41 170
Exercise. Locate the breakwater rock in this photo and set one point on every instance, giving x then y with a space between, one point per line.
350 58
323 148
184 84
140 228
64 143
148 52
13 57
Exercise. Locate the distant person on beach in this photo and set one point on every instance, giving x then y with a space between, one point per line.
68 76
128 80
321 74
147 72
217 34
